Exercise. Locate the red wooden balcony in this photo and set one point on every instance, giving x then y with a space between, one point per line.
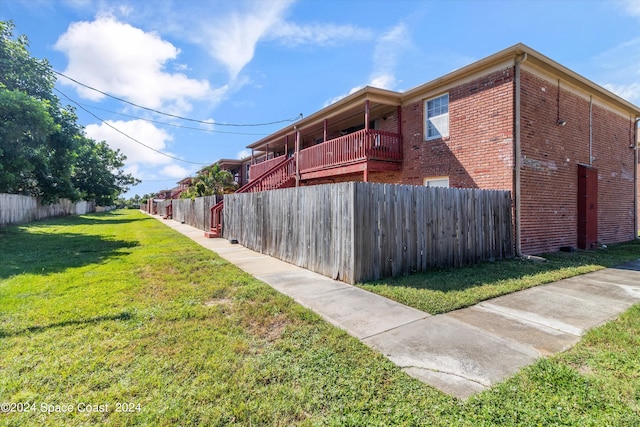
359 147
355 152
260 168
281 175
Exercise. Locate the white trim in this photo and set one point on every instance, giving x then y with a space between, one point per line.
596 96
437 120
436 181
440 85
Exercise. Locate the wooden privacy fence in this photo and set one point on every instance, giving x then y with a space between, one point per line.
360 231
19 209
195 213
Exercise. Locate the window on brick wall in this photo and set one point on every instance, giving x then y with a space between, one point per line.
439 181
437 117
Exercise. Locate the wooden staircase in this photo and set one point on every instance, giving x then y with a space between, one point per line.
281 175
169 211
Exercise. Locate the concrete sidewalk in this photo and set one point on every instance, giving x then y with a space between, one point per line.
461 352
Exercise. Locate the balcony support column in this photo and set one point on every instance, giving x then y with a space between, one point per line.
325 123
366 114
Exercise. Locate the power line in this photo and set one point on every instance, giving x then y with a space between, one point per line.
158 180
173 115
172 124
124 134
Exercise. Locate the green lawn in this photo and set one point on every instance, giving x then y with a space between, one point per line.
446 290
100 311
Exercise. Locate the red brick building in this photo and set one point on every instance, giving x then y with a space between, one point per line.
565 147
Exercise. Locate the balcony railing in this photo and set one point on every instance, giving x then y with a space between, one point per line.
274 178
260 168
281 175
353 148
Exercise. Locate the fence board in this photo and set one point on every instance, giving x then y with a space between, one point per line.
195 213
19 209
364 231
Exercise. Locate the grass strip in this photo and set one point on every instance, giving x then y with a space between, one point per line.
117 312
441 291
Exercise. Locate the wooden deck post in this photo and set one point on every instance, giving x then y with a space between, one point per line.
324 125
366 114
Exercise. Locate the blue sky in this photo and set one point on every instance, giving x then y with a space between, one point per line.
254 62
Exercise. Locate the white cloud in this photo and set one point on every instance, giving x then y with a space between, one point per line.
141 162
125 61
243 154
630 92
232 38
388 49
174 171
291 34
141 130
78 4
631 7
339 97
621 68
209 125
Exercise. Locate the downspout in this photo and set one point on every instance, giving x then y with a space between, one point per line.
591 130
518 159
636 146
367 139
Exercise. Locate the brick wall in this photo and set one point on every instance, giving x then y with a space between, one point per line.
614 158
389 177
478 153
550 155
389 122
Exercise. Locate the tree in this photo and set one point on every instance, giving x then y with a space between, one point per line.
25 126
98 175
43 150
20 71
210 181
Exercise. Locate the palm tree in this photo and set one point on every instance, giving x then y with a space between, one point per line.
211 181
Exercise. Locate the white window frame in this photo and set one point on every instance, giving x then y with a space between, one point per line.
436 121
436 181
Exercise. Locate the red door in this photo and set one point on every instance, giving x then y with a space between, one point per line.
587 207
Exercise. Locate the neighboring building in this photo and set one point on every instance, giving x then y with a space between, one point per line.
183 185
238 168
565 147
164 194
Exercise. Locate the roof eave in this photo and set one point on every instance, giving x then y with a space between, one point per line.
349 102
533 56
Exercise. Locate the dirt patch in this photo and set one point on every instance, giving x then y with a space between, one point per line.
218 301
